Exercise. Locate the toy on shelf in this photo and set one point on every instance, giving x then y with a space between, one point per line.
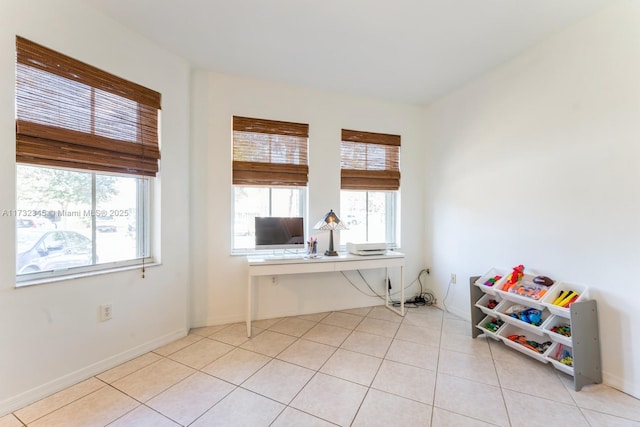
564 356
566 298
492 304
529 344
563 329
567 360
534 288
493 324
543 280
514 277
532 316
529 290
492 280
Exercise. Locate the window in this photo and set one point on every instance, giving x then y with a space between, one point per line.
78 209
270 174
370 183
87 151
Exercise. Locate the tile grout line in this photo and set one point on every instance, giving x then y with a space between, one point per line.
62 406
435 385
272 358
316 371
504 400
376 374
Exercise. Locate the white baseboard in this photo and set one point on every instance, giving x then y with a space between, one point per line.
464 314
287 313
211 321
620 384
25 398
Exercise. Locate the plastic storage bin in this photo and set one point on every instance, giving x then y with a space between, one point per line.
509 330
483 326
526 292
558 352
482 282
552 322
554 293
484 302
504 307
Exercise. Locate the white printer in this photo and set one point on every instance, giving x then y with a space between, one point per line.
367 248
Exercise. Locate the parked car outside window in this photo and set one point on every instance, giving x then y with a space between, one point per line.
51 250
36 222
106 224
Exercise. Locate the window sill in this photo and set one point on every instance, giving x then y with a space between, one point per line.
83 274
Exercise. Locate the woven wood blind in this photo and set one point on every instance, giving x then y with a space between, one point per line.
70 114
270 152
369 161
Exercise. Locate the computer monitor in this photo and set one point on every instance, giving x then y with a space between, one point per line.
279 232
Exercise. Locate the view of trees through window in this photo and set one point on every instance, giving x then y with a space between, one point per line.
369 216
67 219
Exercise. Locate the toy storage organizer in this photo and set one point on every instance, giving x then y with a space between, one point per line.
489 308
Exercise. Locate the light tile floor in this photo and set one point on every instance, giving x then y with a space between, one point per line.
361 367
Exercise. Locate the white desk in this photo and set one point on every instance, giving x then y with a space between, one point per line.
270 266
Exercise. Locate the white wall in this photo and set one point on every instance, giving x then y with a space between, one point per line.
537 163
220 279
50 336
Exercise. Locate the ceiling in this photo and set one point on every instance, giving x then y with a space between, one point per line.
408 51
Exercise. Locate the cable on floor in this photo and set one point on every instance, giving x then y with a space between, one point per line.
422 299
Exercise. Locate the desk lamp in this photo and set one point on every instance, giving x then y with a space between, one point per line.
330 222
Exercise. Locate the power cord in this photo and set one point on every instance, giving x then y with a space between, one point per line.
446 296
422 299
360 290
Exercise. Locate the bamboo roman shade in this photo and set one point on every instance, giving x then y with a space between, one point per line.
70 114
369 161
270 152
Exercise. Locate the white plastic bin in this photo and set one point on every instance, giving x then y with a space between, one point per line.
506 304
556 351
525 292
483 326
552 294
551 323
483 303
509 329
482 282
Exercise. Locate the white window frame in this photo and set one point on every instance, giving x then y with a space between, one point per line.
392 217
303 206
143 222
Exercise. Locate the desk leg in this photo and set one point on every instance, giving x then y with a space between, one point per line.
402 290
386 286
249 288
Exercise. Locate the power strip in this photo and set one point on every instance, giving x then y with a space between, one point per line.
423 299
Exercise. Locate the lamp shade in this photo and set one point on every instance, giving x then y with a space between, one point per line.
330 222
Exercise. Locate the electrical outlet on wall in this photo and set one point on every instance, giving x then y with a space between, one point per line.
106 312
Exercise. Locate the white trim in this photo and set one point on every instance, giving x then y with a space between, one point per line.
392 230
84 273
456 312
621 384
288 312
16 402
